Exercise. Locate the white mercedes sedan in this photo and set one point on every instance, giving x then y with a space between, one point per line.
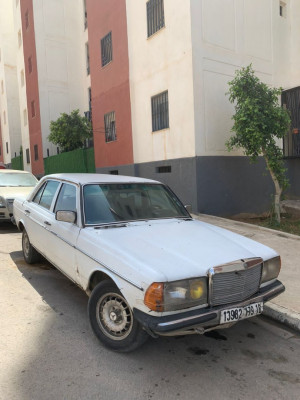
148 267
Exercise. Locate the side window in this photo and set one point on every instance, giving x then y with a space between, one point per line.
66 200
48 194
37 197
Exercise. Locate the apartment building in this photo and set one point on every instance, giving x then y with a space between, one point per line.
52 73
182 54
153 76
10 138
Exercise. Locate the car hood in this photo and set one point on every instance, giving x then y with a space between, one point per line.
14 192
177 249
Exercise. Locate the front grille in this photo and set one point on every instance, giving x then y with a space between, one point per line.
231 287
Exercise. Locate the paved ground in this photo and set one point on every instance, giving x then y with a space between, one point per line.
47 350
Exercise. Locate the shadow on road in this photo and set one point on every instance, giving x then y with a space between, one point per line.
7 227
68 361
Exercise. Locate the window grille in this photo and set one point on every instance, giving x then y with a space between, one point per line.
30 64
27 19
106 49
155 16
36 152
27 156
164 169
160 111
291 142
7 147
110 127
33 108
87 54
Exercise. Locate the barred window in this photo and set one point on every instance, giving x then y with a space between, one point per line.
27 156
27 19
155 16
36 152
160 111
110 127
106 49
30 64
33 109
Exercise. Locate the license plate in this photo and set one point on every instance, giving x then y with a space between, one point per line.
238 313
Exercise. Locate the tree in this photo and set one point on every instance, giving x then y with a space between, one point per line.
69 131
259 121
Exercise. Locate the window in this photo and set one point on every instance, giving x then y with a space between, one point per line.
110 127
155 16
160 111
25 117
106 49
4 117
48 153
282 9
66 200
57 150
27 156
36 152
2 87
164 169
22 78
33 108
87 55
27 19
19 38
30 64
45 200
7 147
85 14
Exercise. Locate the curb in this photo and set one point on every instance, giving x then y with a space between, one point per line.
282 315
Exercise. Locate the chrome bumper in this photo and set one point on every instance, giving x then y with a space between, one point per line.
198 321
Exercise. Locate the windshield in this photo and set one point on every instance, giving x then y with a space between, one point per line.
15 179
108 203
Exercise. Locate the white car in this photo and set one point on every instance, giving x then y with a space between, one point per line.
147 265
13 183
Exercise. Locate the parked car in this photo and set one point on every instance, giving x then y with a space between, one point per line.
147 265
13 183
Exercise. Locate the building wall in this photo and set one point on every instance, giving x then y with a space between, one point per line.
32 87
9 101
110 84
158 63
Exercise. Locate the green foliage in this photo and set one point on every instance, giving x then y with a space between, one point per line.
259 121
69 131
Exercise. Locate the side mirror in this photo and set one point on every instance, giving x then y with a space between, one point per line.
66 216
188 208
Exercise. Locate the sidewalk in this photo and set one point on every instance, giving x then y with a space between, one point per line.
286 307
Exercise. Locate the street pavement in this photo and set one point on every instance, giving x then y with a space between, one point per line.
48 351
286 307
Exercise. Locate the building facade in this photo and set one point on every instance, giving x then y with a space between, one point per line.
153 76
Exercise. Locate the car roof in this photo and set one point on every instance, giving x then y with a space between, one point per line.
84 178
13 171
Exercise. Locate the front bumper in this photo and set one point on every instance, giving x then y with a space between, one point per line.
197 321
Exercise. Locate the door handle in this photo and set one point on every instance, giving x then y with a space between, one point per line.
27 211
47 223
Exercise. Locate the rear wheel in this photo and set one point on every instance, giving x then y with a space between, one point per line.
31 256
112 320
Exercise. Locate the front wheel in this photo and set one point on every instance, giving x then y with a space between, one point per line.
31 256
112 320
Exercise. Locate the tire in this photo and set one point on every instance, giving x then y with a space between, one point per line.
112 319
30 255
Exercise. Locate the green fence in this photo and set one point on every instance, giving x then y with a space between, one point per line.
81 160
17 163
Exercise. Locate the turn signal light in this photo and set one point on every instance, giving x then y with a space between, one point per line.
154 297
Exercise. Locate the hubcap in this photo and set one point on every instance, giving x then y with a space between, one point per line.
114 316
26 244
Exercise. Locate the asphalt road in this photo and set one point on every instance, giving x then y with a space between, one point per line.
48 351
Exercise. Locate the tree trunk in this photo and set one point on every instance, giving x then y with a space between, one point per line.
278 190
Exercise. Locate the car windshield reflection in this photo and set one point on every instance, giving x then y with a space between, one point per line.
111 203
16 180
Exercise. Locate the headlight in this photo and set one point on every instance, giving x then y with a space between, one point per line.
2 202
170 296
271 269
